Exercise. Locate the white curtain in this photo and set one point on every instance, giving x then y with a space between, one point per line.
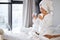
27 13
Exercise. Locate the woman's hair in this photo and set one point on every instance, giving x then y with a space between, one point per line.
37 6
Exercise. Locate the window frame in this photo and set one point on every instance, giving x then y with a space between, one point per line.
10 10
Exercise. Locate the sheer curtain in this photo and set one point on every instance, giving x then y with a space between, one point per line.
27 13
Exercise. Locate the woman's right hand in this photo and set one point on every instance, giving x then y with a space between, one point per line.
34 16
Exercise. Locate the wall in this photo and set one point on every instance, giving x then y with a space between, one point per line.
56 17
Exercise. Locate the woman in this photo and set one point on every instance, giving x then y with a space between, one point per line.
44 19
46 16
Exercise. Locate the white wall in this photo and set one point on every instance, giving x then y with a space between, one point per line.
56 17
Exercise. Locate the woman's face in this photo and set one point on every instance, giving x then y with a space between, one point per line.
43 11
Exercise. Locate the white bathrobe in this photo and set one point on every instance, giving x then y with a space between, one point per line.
40 26
47 5
47 22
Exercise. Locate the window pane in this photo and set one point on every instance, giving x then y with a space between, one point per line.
17 10
5 0
3 15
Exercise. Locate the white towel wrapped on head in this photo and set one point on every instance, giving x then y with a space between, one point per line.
47 5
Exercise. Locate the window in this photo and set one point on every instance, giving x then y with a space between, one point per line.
4 16
17 0
17 10
12 13
4 11
5 1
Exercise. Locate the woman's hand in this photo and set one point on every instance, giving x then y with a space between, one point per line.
34 16
40 17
